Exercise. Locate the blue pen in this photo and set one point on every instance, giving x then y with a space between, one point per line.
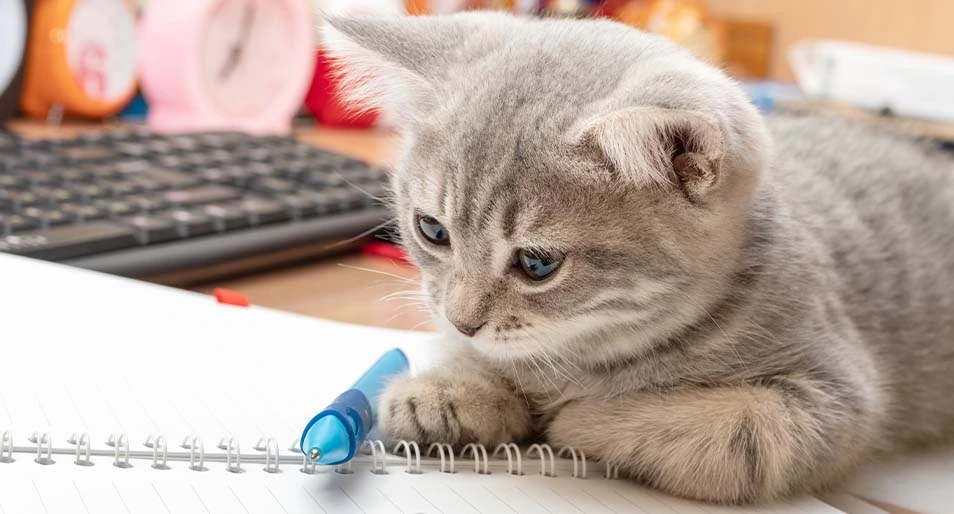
335 434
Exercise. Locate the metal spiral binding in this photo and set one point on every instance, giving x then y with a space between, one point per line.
345 469
196 445
83 449
573 451
379 456
6 447
272 459
233 453
413 470
540 449
121 454
223 443
44 441
475 448
159 445
612 472
441 448
513 453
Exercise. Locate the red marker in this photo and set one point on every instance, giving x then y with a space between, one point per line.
229 297
386 250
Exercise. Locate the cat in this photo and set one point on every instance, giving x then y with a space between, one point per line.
624 256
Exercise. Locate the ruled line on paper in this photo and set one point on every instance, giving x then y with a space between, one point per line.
121 499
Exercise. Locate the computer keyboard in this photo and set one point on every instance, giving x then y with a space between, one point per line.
137 203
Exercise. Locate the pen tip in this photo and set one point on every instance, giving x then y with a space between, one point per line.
314 454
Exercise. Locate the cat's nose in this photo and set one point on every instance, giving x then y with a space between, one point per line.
468 330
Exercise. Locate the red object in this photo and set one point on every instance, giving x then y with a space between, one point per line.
229 297
324 102
388 251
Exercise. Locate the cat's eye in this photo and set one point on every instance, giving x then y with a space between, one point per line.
433 231
537 266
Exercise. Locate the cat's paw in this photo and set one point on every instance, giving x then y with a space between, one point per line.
454 410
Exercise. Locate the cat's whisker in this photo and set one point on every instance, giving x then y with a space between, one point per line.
380 272
362 235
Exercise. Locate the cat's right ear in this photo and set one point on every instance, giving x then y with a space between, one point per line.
657 147
390 63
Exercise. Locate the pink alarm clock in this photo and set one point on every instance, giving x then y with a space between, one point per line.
242 65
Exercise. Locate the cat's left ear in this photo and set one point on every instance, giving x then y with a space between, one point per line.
390 63
653 146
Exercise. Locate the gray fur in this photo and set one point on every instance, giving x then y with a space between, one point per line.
748 308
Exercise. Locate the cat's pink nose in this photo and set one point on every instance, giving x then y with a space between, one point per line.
468 330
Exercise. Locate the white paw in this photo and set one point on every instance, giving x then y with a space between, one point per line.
452 410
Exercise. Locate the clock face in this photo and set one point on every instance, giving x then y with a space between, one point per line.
13 36
242 70
101 48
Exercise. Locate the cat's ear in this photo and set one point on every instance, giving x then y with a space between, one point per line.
652 146
390 63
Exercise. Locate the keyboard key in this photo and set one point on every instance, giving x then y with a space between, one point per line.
41 178
90 192
81 213
169 178
200 195
120 188
190 223
298 206
82 154
132 149
226 217
24 199
261 211
273 185
13 182
145 203
45 218
13 223
132 167
147 185
72 175
115 208
215 176
151 229
69 241
53 196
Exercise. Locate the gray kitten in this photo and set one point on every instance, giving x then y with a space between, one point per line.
626 258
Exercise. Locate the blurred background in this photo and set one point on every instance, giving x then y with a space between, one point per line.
202 143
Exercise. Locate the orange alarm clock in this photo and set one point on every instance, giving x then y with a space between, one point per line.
81 57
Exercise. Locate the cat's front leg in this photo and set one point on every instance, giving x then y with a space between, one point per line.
736 444
460 402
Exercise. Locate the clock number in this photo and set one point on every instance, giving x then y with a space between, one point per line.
92 65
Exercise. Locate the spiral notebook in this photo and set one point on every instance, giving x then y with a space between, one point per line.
122 397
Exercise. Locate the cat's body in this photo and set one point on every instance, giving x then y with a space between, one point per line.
729 319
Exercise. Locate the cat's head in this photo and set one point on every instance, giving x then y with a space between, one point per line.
559 181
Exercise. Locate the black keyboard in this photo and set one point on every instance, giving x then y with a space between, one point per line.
136 203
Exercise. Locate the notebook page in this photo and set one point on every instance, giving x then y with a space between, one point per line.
140 489
84 353
921 481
